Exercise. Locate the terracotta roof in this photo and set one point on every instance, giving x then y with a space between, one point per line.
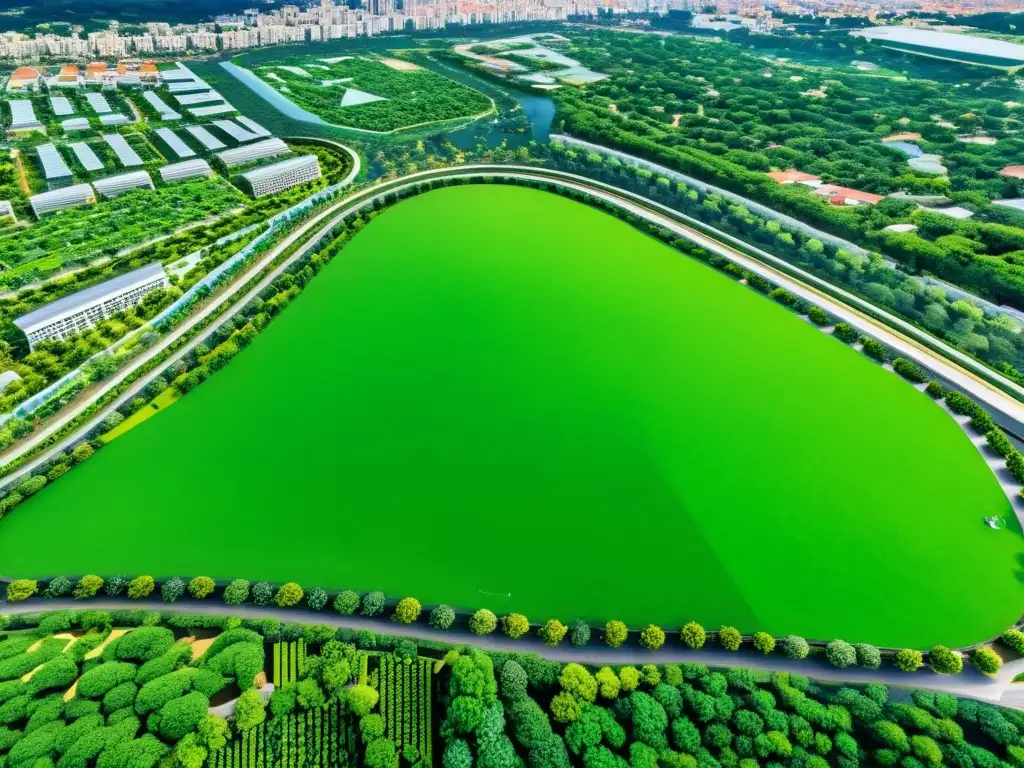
69 69
831 190
903 137
1014 171
792 175
25 73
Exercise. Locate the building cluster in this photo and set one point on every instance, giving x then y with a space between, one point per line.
288 24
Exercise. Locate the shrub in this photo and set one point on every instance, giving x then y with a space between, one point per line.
181 716
361 699
945 661
483 622
553 632
237 592
407 610
874 349
381 754
87 586
56 673
909 370
846 333
840 654
652 637
730 638
442 617
262 593
907 660
985 659
1014 639
783 296
960 403
513 680
374 604
868 656
629 678
100 679
515 625
81 452
119 697
693 635
580 633
116 585
250 710
21 589
141 587
615 633
172 590
764 642
288 595
316 598
818 316
371 727
58 587
201 587
999 442
1015 465
347 602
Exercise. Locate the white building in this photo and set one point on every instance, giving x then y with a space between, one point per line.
271 179
58 199
112 186
84 309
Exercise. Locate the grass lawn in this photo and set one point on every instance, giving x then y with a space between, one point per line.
495 390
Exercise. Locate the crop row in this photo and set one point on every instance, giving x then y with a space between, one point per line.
246 751
405 703
317 738
289 661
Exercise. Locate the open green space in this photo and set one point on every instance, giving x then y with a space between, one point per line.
495 391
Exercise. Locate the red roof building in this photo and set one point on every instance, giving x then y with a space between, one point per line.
847 195
1013 171
793 176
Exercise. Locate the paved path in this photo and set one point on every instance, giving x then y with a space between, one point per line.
969 683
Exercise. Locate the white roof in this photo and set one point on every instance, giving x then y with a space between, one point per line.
176 75
115 118
61 106
112 186
235 131
22 114
61 198
166 113
945 41
270 171
75 124
98 102
186 99
179 147
253 126
122 149
954 211
213 109
86 156
7 378
54 166
251 152
186 86
185 170
206 138
1015 202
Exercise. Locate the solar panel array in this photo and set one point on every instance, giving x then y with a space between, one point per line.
213 109
205 138
166 113
186 99
235 131
188 86
61 106
86 156
122 149
54 166
98 102
22 114
179 147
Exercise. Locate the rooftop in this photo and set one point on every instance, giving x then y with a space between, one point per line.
792 176
832 190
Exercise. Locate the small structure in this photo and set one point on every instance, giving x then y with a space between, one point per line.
902 137
128 156
112 186
235 131
68 75
166 113
261 150
953 211
82 310
253 126
178 147
903 229
86 156
55 169
205 138
23 116
845 196
213 109
190 169
61 106
46 202
191 99
95 71
271 179
793 176
98 102
114 118
24 79
6 210
75 124
7 378
1013 171
1017 203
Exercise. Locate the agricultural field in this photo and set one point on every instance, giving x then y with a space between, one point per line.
524 381
370 93
289 662
405 703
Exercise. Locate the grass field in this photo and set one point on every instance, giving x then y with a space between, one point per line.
495 390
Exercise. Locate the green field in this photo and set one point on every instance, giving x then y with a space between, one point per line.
495 390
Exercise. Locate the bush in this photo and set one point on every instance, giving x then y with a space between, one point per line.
262 593
553 632
59 586
960 403
250 710
316 598
1014 638
985 659
764 642
483 622
442 617
874 349
347 603
100 679
909 370
172 590
81 452
730 638
21 589
407 610
868 656
580 633
840 654
371 727
652 637
116 585
145 644
381 754
237 592
141 587
513 680
201 587
907 660
119 697
361 699
818 316
615 633
846 333
288 595
693 635
999 442
181 716
87 586
56 673
945 661
374 604
515 625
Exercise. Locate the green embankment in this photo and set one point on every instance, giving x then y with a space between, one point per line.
495 390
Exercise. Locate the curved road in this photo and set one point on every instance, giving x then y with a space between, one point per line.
998 689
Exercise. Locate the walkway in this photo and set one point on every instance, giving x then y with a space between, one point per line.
970 683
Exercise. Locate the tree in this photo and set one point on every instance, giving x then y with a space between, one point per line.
565 708
868 656
693 635
250 710
116 585
381 754
87 586
141 587
374 604
235 593
371 727
730 638
764 642
81 452
316 598
629 678
515 625
213 731
652 637
308 694
337 675
607 683
288 595
483 622
513 680
615 633
580 633
457 755
552 632
407 610
361 699
172 590
442 617
945 661
575 679
201 587
347 603
189 753
907 660
59 586
21 589
986 660
840 654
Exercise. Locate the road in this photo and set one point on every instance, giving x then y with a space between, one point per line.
998 689
893 332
